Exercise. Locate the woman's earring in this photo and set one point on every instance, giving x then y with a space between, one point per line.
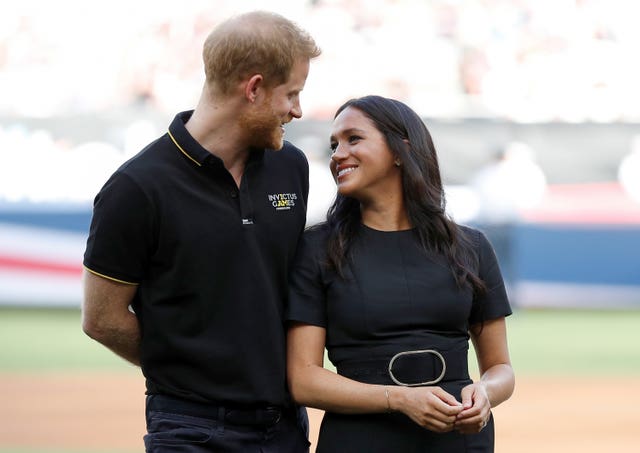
397 162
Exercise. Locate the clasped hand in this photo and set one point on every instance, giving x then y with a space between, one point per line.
439 411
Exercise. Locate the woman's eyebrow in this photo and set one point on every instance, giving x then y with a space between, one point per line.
350 130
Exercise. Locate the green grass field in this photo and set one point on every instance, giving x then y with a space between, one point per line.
546 342
542 343
51 340
575 342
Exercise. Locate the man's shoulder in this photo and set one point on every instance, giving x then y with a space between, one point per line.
150 156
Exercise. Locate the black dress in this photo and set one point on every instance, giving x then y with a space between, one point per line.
394 298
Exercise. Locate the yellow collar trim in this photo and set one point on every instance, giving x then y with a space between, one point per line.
183 151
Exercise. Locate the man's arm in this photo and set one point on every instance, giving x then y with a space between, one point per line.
106 316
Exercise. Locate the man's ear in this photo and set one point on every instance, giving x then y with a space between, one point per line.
253 86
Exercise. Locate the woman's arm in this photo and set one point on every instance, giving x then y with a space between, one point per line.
497 379
314 386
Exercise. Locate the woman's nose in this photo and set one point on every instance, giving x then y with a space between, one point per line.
338 154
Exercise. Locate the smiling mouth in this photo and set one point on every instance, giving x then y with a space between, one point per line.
345 171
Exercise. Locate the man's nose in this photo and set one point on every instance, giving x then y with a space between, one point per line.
296 110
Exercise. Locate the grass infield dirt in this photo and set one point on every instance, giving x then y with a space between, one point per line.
99 412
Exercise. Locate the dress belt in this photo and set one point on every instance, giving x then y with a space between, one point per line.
409 368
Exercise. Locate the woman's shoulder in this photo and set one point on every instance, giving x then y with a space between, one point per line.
313 243
478 240
472 234
318 233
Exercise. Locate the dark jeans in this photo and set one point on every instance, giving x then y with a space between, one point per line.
222 430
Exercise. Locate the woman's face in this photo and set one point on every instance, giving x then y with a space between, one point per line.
362 164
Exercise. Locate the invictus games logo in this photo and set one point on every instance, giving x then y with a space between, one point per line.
282 201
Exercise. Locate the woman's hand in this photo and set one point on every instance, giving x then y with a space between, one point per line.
430 407
496 377
476 409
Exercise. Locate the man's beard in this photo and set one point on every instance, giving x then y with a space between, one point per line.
262 126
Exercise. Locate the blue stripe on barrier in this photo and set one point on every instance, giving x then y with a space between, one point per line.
588 254
76 219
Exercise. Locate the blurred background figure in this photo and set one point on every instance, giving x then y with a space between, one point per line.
629 170
510 183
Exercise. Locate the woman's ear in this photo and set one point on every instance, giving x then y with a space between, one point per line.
397 161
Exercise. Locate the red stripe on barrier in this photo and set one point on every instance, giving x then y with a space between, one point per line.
595 203
17 263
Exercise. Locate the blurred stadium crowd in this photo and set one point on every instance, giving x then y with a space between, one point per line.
512 60
525 60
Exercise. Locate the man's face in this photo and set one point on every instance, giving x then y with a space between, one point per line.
281 104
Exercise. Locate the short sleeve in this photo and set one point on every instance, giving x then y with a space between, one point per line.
121 232
305 178
307 293
494 303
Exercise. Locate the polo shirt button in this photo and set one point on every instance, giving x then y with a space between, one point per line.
234 194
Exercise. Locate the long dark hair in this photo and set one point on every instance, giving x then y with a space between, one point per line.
410 141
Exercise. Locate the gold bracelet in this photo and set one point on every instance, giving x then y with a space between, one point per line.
386 394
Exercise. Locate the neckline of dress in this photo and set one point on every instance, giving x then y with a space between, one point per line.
373 230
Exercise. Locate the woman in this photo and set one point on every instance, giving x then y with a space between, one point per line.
394 290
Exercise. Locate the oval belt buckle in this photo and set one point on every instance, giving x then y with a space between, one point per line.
420 351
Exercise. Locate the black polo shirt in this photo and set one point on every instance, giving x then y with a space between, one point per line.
211 262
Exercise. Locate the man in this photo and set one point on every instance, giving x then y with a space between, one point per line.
190 243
